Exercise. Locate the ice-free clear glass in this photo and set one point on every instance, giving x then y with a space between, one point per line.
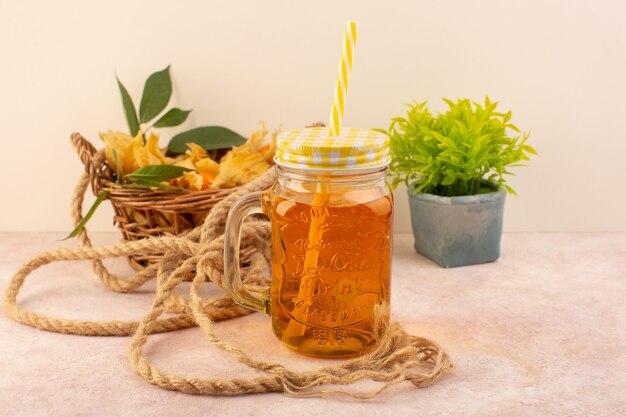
331 259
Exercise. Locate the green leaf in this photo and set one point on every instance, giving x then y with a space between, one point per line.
513 127
447 181
129 109
530 149
156 94
173 117
156 173
509 189
89 214
208 137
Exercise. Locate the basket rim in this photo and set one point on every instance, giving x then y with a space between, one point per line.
174 201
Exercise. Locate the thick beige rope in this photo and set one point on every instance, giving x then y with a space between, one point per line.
397 357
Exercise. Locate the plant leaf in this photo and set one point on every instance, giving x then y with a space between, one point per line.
447 181
173 117
450 152
90 213
156 94
156 173
129 109
530 149
208 137
509 190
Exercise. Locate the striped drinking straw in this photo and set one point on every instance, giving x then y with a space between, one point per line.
343 77
297 326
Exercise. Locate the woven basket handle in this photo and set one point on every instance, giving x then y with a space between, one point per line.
86 152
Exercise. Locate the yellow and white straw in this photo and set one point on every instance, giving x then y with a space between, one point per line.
343 77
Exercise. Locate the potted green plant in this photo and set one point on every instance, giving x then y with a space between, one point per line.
455 164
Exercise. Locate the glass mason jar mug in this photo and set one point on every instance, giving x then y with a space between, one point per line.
331 213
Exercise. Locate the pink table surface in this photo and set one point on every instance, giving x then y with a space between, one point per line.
541 332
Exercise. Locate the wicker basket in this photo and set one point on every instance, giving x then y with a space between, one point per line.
160 212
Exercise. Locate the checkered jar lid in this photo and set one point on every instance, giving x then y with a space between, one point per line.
312 148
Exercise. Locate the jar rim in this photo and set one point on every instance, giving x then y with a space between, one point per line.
335 171
341 175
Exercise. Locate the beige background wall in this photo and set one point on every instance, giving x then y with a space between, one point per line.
559 65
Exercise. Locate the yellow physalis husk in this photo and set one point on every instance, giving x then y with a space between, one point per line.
244 163
181 181
208 169
240 166
152 147
268 151
208 165
257 138
119 142
142 155
192 181
168 161
185 163
259 142
132 154
195 152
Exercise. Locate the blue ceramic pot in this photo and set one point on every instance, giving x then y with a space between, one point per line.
457 231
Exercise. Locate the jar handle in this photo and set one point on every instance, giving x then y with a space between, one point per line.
253 299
